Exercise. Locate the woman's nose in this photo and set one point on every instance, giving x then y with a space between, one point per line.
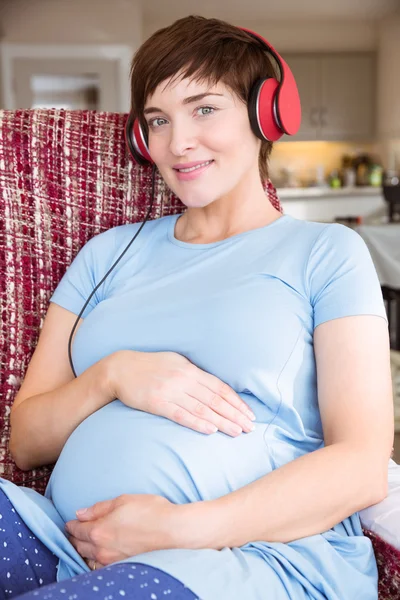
183 138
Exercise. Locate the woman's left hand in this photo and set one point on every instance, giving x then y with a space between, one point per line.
128 525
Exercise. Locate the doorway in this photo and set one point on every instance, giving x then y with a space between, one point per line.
69 84
66 76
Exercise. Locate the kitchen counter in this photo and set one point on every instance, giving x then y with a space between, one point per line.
327 192
325 204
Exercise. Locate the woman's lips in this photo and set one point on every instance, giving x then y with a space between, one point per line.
192 174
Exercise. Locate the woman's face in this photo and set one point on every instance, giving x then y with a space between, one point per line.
192 124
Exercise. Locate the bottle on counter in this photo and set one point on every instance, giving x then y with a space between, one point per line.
348 173
362 164
375 175
334 179
320 180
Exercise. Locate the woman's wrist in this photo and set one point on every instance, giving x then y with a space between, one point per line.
195 525
112 367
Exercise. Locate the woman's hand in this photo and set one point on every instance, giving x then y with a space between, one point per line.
128 525
169 385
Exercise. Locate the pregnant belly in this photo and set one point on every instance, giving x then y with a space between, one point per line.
120 450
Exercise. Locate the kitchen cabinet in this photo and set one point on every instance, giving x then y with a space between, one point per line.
389 82
316 204
337 93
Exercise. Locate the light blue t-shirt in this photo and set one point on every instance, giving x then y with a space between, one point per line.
244 309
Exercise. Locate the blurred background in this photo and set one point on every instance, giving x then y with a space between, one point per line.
344 54
343 165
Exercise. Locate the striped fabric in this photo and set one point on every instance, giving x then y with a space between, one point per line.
64 177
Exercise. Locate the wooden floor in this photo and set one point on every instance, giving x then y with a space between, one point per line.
396 456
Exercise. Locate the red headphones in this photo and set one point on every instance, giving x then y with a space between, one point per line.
274 109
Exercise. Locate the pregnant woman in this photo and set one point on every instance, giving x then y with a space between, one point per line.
231 411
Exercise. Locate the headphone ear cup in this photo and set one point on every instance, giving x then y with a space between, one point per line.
136 141
262 110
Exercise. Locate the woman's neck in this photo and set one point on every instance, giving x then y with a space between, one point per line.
226 217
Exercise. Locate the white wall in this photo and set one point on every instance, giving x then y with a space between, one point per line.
305 36
120 22
72 21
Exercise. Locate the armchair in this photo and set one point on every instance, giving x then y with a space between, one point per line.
64 177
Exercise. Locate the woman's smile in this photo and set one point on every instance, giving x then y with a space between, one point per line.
193 172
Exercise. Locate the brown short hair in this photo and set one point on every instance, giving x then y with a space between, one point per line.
205 50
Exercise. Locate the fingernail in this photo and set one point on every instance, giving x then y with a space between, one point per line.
251 415
211 428
81 512
249 427
236 429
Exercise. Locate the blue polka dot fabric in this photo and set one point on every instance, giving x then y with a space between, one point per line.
116 582
25 563
28 570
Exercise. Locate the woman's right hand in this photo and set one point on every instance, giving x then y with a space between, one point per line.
169 385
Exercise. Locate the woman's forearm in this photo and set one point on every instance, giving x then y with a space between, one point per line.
304 497
41 424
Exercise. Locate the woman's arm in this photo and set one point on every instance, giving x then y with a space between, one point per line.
51 402
318 490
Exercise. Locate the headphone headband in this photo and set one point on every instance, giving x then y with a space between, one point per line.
287 100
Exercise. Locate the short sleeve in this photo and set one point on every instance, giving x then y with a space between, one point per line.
86 270
341 276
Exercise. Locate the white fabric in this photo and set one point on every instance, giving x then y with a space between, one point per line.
384 518
383 242
395 369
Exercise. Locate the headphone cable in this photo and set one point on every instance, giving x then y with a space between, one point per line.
109 271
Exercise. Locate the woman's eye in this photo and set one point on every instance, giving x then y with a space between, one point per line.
209 110
155 122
